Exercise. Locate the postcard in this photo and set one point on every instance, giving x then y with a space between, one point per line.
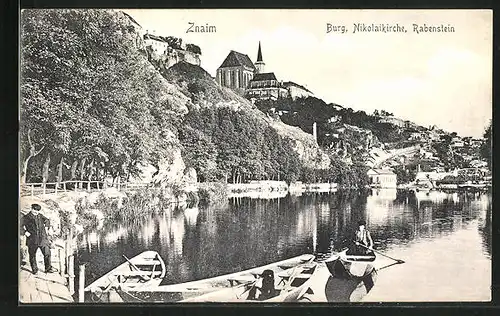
255 156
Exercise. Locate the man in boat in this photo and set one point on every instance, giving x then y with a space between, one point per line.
363 240
33 227
265 285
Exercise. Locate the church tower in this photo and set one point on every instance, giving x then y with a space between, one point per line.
259 64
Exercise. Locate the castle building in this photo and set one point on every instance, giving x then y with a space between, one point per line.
157 43
296 90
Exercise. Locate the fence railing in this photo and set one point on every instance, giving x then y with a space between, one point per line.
31 189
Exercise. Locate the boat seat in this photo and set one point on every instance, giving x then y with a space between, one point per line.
298 276
139 262
304 268
139 273
291 265
284 278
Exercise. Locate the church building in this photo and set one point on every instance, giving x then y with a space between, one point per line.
235 72
240 74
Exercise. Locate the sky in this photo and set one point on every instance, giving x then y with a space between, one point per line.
442 79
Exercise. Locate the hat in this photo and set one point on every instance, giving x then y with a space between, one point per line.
361 222
36 207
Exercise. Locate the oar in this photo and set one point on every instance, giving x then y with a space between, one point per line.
397 260
130 262
251 285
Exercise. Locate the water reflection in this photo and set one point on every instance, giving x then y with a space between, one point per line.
201 242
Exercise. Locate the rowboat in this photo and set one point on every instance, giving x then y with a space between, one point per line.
228 287
351 276
288 286
145 270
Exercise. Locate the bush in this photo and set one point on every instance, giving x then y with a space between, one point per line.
193 48
213 192
192 199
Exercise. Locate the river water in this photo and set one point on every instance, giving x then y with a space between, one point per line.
444 238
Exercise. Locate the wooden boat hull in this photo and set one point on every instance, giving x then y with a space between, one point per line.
145 270
233 282
290 286
349 280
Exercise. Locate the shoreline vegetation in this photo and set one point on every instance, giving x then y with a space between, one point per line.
92 209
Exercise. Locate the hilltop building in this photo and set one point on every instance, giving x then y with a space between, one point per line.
235 72
158 44
296 90
171 50
265 86
251 80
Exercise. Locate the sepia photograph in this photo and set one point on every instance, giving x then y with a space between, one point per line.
255 156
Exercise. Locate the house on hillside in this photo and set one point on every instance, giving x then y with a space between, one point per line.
416 136
393 120
382 178
457 144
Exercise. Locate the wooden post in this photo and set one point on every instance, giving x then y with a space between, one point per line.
70 270
43 185
88 186
81 284
57 185
61 261
64 186
71 274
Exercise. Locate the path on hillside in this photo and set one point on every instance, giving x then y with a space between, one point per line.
395 153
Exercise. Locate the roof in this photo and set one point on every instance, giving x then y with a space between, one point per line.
154 37
382 171
264 76
291 83
259 54
235 59
131 18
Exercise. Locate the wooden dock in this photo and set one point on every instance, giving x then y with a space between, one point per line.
43 287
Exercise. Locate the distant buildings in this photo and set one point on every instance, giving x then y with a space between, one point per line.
393 120
382 178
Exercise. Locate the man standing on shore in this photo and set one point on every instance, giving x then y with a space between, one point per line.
33 226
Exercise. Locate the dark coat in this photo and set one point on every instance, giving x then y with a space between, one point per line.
35 225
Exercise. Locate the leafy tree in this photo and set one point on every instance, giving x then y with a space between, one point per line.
89 98
486 146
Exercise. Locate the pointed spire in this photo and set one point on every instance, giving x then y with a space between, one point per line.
259 54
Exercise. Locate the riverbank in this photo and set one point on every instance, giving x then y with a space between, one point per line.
269 189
